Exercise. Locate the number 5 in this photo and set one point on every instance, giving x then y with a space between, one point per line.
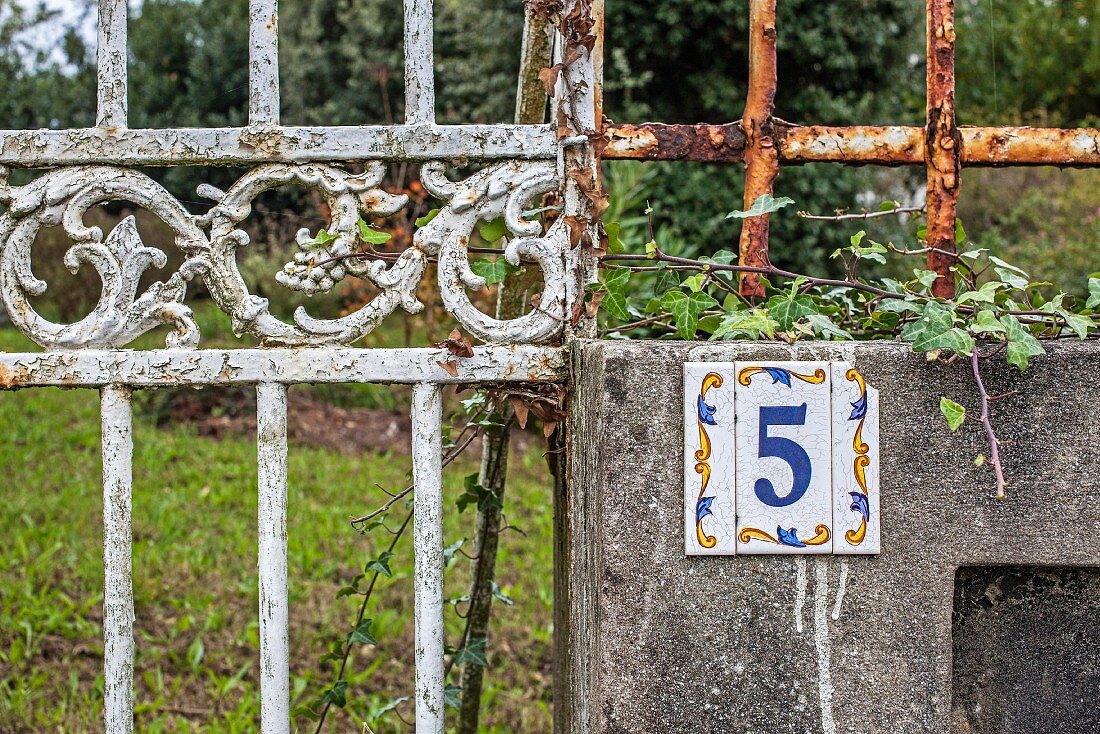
785 449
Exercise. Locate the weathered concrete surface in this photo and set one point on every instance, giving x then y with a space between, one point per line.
653 641
1047 619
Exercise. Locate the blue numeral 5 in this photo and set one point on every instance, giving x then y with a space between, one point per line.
785 449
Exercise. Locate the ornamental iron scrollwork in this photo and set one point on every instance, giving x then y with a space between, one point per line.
210 242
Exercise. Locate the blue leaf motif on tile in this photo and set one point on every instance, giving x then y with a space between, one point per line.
779 375
706 412
861 505
702 508
789 537
859 408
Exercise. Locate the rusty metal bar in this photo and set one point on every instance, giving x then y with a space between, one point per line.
889 145
943 145
761 156
654 141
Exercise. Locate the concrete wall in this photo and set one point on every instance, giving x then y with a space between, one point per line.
653 641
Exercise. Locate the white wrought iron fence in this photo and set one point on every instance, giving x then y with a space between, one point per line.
90 166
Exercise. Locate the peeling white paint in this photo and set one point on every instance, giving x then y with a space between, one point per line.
111 65
271 402
419 61
263 62
427 449
167 367
118 591
240 146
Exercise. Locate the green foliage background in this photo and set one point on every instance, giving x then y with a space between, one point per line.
840 62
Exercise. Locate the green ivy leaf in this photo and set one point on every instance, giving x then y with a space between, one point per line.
473 653
493 230
423 221
985 294
935 329
493 270
1021 344
764 204
614 232
337 695
451 551
1094 293
615 302
925 277
953 412
753 323
1078 324
389 706
361 635
504 598
450 696
898 305
685 308
825 327
985 322
789 308
373 236
694 283
380 565
321 240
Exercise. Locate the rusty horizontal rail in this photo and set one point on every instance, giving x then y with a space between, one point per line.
890 145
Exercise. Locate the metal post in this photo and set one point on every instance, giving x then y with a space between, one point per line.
118 592
263 62
419 63
761 157
274 603
427 451
943 146
111 62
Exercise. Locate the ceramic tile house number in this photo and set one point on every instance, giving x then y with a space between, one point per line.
780 457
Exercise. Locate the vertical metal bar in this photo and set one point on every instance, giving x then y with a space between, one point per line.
419 63
574 113
118 592
761 153
263 62
427 451
943 146
274 603
111 62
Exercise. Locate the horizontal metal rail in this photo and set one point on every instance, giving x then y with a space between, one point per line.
171 367
890 145
230 146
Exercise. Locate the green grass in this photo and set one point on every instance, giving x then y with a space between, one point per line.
195 571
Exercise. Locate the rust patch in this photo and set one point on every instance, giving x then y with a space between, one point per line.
655 141
12 379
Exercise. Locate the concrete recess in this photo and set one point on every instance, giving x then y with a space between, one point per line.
653 641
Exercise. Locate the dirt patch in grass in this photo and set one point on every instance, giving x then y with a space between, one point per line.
224 412
218 413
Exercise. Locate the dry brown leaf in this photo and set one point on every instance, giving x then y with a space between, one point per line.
592 307
521 411
549 78
457 344
577 228
451 367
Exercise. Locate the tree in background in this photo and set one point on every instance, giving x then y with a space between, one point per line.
842 62
1032 62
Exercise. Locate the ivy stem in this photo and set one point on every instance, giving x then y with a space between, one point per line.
991 436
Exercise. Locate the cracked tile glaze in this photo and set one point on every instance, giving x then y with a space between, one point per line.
710 518
783 434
